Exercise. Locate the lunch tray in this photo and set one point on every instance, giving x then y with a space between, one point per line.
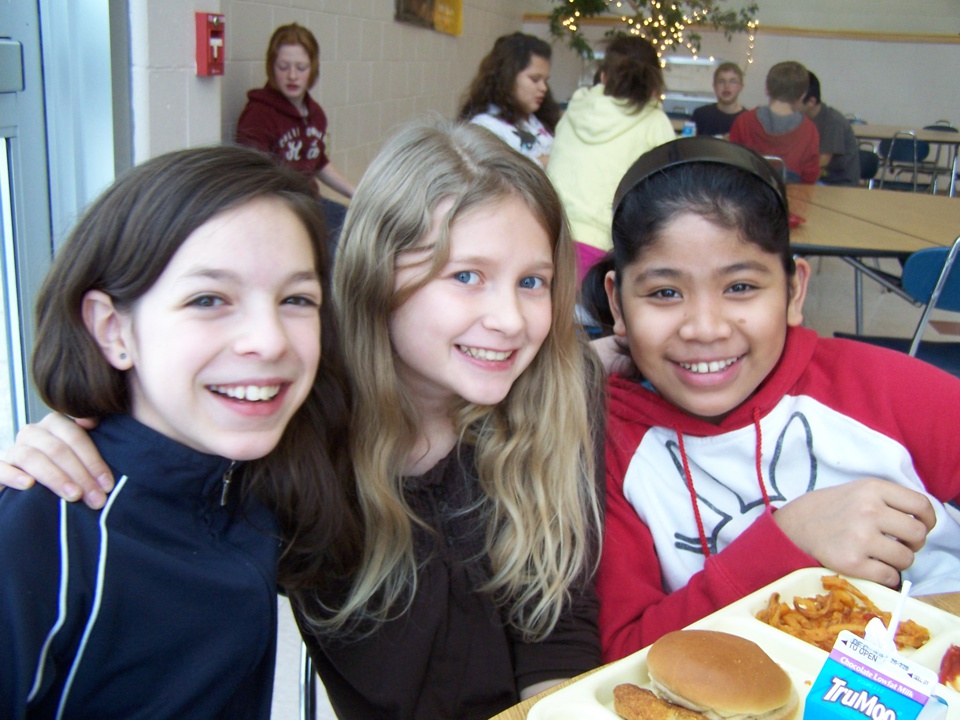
591 698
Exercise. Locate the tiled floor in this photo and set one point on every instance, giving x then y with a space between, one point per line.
829 305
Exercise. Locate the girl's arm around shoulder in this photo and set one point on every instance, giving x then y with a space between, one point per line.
635 608
59 453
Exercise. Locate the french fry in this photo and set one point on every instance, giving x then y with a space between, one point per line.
820 619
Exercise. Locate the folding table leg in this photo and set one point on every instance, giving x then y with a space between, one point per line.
858 298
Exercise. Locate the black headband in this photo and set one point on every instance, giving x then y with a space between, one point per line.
706 149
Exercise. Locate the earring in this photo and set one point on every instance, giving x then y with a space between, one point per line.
123 356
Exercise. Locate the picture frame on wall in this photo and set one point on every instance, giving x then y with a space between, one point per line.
444 16
417 12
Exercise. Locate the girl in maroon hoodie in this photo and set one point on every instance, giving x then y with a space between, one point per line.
283 120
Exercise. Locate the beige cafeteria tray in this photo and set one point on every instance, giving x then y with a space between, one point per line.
592 697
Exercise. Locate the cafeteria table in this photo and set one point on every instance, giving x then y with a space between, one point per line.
950 140
948 601
856 223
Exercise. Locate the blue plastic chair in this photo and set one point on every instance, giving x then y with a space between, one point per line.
931 279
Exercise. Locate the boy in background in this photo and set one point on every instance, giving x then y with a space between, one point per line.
779 128
839 153
717 118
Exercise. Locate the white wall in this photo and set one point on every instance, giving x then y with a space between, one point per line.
901 83
901 16
172 107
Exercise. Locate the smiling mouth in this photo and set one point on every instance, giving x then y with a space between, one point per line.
247 393
709 367
483 354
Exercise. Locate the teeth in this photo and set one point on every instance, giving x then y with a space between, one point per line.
250 393
481 354
708 367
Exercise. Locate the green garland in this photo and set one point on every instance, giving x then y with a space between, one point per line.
664 22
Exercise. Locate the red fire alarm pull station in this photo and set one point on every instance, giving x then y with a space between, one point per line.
210 50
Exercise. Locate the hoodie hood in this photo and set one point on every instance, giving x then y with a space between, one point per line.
778 124
657 411
597 119
275 100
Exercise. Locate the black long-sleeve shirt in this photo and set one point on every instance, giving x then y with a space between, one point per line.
451 655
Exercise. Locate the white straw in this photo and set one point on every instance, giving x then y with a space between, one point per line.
898 611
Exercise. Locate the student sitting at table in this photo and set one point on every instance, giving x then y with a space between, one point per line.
605 128
839 152
741 446
717 118
779 128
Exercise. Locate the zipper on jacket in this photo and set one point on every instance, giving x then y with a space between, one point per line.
227 477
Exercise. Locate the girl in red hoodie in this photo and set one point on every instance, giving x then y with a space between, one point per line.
744 447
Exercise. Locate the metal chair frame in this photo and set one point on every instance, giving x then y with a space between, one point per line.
933 166
935 293
308 685
777 164
896 161
926 276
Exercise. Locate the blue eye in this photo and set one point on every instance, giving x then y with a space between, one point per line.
467 277
532 283
206 301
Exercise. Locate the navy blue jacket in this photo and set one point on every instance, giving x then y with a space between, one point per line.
161 605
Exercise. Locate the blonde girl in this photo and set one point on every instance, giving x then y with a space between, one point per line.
471 438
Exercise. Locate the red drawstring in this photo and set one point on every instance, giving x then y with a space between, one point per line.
693 493
763 488
693 497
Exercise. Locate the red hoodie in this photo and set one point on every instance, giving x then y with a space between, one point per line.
830 412
799 149
271 123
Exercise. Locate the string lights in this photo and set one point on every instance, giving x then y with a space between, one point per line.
665 23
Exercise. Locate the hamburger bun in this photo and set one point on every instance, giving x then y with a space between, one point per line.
722 676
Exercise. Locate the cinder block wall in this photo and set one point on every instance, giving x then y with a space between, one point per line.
375 72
